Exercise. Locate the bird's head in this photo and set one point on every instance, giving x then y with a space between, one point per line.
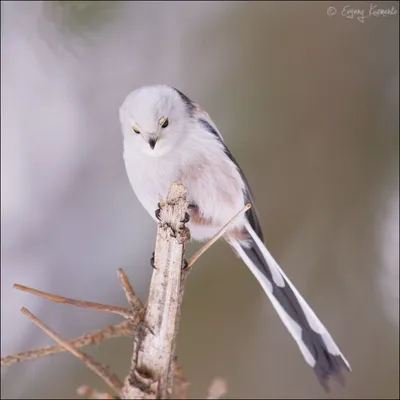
154 119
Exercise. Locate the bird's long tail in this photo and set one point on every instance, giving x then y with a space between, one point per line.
314 341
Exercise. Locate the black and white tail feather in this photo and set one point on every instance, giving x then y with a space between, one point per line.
314 341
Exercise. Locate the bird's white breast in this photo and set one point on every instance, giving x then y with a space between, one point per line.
150 179
213 181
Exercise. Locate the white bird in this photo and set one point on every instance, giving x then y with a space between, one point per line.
168 137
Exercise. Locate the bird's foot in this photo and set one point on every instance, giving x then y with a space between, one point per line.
152 261
185 265
157 212
186 219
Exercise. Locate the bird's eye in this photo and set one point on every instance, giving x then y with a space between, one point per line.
164 123
136 130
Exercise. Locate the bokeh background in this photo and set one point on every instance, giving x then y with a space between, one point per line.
308 104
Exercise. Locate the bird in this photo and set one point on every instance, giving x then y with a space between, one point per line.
168 137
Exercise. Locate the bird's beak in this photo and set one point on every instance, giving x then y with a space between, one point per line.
152 143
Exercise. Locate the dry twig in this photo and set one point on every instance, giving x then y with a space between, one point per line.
123 312
200 252
133 300
111 379
217 389
89 393
153 368
109 332
181 383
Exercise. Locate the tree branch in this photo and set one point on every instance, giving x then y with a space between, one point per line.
217 389
203 249
154 326
123 312
130 294
151 365
109 332
108 377
89 393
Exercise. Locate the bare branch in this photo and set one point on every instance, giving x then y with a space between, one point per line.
124 312
133 300
181 383
154 372
217 389
89 393
200 252
109 332
152 359
111 379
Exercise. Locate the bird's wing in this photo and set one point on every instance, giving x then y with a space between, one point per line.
252 214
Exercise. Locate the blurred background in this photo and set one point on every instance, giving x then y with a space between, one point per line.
307 102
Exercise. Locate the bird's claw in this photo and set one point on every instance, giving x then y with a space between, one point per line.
152 261
186 219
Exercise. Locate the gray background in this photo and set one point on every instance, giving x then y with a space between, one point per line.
308 105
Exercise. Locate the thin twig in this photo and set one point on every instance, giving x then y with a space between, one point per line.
90 393
138 310
200 252
109 332
133 300
180 383
124 312
111 379
217 389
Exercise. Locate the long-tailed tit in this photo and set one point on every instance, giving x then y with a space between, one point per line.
168 137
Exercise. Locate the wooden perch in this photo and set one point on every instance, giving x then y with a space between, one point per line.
154 326
151 373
